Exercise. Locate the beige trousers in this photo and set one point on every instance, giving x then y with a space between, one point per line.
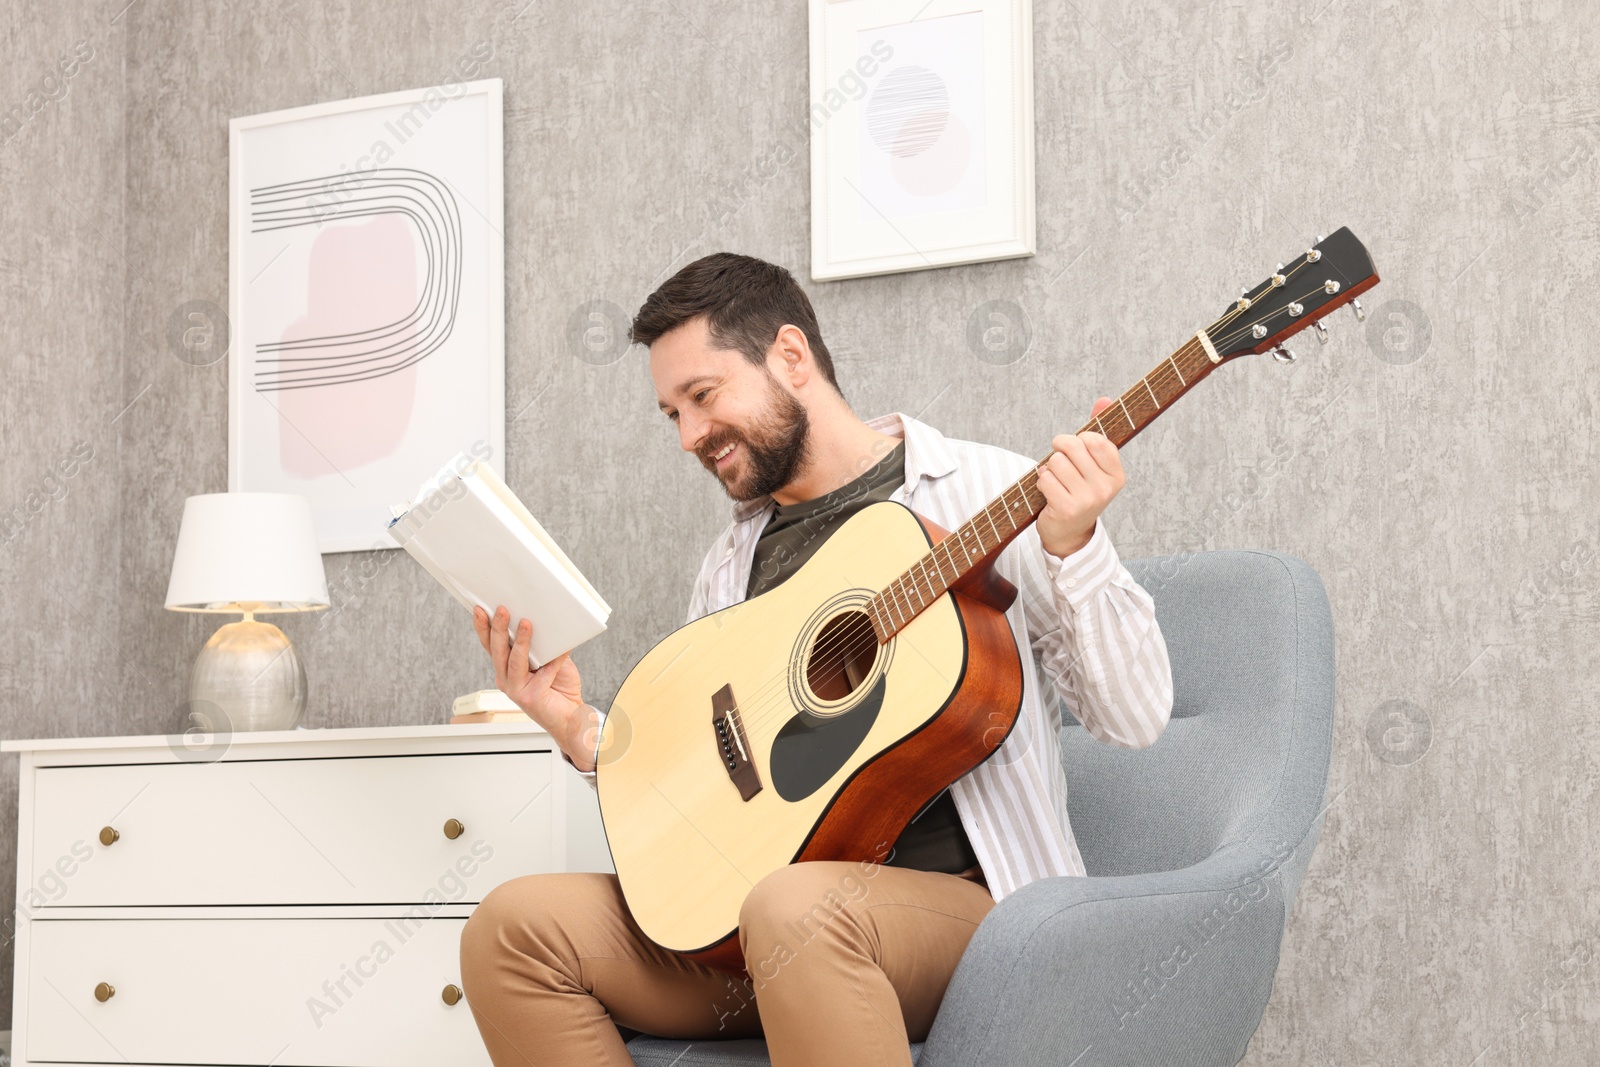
848 963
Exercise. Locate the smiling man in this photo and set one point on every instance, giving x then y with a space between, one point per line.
850 961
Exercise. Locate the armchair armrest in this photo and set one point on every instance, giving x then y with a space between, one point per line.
1173 967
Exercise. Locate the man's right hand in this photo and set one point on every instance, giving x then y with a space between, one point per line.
551 696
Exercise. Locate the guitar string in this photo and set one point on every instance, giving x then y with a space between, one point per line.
770 701
759 702
766 701
1162 375
762 703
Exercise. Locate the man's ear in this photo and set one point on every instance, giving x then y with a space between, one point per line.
794 355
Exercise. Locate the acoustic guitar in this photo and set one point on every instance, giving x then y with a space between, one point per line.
814 721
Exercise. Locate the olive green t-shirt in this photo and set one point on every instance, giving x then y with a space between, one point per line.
935 840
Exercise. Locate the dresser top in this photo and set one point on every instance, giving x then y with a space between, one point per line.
431 735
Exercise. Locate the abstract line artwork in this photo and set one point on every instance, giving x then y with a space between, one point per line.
328 359
367 301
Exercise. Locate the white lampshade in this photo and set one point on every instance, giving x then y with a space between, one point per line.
247 552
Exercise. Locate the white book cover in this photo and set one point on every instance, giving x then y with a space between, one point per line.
470 532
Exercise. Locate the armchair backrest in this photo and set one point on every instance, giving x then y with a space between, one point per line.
1244 760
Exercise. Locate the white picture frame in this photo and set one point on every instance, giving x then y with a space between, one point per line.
921 120
366 291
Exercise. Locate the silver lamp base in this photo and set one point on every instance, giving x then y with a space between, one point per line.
250 671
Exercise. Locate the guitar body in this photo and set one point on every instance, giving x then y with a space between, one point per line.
837 741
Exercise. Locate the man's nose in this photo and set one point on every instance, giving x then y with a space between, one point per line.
691 433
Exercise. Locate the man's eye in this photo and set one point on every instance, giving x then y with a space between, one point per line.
699 398
673 415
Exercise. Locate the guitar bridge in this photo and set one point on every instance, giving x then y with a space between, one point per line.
732 745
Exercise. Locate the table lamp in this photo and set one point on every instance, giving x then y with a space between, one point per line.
249 553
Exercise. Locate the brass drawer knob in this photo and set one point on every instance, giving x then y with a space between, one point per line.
452 995
104 992
108 836
453 829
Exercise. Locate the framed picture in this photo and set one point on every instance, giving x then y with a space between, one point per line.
366 300
921 134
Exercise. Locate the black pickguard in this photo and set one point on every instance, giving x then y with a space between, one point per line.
810 750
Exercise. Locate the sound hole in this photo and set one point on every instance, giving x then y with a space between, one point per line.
842 655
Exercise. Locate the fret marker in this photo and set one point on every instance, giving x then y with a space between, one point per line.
1211 349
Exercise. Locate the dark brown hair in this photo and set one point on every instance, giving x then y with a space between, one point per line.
745 301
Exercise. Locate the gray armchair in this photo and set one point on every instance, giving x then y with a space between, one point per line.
1194 847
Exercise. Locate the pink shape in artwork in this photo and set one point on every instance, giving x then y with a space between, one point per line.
361 276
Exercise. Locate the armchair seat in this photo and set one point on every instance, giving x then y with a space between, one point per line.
1194 848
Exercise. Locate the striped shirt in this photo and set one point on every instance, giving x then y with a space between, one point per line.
1090 627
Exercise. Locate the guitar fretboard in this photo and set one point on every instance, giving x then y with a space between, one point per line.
986 533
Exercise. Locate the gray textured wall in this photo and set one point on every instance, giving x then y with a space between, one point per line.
1440 460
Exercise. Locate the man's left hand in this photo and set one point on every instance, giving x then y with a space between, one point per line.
1078 481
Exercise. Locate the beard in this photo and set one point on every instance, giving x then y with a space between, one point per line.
772 450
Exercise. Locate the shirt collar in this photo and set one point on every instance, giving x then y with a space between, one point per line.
928 455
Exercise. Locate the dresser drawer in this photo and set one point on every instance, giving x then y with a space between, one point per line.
329 992
368 830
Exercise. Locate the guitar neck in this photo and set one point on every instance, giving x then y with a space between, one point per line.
975 542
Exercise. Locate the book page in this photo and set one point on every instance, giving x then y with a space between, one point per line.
481 474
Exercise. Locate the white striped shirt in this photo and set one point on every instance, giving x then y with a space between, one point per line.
1089 625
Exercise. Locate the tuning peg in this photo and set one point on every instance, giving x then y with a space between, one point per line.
1361 312
1322 332
1282 354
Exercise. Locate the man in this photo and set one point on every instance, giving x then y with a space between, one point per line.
848 961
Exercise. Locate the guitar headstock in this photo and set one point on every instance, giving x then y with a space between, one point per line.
1329 275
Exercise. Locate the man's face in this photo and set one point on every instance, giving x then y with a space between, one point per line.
719 398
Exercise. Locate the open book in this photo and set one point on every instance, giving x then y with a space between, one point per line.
472 533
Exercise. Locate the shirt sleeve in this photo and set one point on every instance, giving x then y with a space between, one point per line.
700 595
589 776
1095 634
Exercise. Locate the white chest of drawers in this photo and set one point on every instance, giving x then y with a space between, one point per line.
285 898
